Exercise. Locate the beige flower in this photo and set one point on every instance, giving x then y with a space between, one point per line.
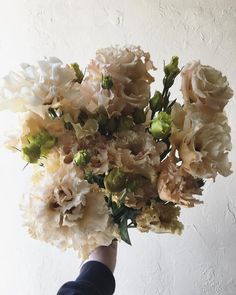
129 69
37 88
64 210
177 186
205 86
160 218
203 141
137 152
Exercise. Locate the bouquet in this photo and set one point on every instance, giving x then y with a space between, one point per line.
106 154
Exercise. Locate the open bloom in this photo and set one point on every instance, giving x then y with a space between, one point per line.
160 218
205 86
137 152
37 88
128 73
66 211
177 186
203 141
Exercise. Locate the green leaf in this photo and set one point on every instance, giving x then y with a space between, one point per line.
124 234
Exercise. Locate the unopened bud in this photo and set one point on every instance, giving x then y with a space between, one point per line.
82 158
160 126
115 181
156 102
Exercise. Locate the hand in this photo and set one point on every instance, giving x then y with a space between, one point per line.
106 255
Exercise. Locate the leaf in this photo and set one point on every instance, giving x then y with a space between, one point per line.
124 234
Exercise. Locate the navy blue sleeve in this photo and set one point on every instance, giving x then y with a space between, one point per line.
95 279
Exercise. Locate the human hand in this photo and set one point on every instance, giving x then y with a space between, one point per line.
106 255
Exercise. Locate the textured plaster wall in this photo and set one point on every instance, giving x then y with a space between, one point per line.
203 259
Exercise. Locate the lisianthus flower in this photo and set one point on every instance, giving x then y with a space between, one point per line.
67 211
160 218
177 186
205 86
203 141
137 152
36 88
128 72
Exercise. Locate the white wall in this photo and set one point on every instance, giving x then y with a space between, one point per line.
203 259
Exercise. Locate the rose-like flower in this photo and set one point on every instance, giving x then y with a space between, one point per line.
177 186
127 69
203 141
160 218
64 210
37 88
205 86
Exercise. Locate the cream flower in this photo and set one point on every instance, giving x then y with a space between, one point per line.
160 218
203 141
205 86
64 210
37 88
177 186
137 152
128 68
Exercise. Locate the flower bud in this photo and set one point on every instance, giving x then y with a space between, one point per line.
139 116
156 102
115 181
160 126
78 73
172 67
171 71
82 158
44 140
31 152
107 82
125 123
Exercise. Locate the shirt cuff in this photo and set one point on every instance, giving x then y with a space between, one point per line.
98 275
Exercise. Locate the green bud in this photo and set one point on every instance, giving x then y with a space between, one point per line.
112 124
44 140
115 181
31 152
107 82
82 158
78 73
125 123
156 102
171 71
172 67
160 126
139 116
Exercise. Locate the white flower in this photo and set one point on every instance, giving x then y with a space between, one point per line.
37 88
205 86
128 68
64 210
203 141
